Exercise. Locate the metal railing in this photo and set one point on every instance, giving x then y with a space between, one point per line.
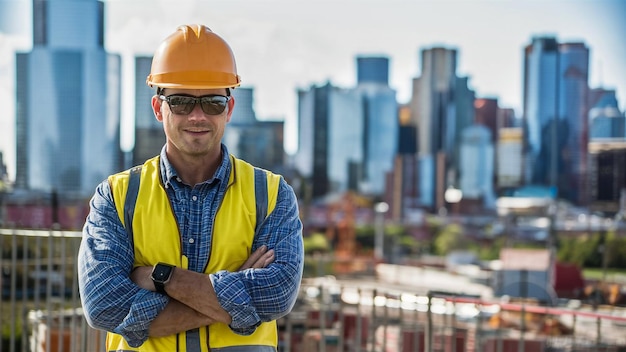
40 311
40 306
340 316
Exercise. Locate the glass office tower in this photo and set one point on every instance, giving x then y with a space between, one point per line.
442 106
605 118
372 69
477 165
380 135
149 135
348 138
67 122
555 116
260 143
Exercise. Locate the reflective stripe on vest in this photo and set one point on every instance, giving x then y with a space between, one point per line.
241 211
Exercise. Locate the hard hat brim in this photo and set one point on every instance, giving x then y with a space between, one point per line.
194 80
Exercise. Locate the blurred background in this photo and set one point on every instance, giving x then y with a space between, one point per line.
427 139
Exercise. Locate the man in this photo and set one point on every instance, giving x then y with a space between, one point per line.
196 250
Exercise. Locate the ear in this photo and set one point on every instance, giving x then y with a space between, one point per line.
231 106
157 104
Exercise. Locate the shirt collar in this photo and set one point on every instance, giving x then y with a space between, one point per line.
169 173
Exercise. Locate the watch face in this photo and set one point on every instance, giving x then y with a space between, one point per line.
161 272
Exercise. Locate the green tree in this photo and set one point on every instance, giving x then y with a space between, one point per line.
581 250
616 250
450 238
316 243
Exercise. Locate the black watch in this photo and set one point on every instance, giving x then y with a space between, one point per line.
161 274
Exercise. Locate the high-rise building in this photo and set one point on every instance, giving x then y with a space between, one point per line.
68 103
489 114
244 105
486 114
442 105
348 137
509 158
258 142
4 175
477 165
607 174
149 135
312 156
555 116
372 69
380 122
402 193
330 143
506 118
605 119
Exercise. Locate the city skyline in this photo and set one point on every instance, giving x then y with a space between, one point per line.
287 49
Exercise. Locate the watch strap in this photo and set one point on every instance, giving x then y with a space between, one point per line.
160 287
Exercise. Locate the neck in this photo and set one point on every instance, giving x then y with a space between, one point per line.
195 169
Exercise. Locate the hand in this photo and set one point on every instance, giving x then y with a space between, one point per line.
261 258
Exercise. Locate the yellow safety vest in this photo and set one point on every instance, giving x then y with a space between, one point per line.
153 222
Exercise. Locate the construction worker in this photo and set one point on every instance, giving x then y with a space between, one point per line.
194 250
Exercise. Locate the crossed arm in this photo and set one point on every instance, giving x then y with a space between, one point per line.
193 300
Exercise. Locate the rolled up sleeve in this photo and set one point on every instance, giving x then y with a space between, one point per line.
253 296
110 300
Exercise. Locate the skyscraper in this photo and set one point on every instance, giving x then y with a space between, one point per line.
258 142
555 116
372 69
380 122
608 174
4 175
67 123
149 134
486 114
402 192
348 138
605 119
244 102
509 158
330 143
476 167
442 105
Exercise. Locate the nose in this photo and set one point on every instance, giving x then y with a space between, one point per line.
197 113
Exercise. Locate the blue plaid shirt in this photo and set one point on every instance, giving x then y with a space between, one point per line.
112 302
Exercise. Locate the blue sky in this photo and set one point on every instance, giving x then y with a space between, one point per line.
285 45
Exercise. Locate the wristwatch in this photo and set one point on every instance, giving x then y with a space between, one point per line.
161 274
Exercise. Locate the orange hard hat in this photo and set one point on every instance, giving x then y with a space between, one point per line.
193 57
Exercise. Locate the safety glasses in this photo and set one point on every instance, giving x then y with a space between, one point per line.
181 104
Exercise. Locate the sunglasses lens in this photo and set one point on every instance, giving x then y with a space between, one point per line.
184 105
213 105
181 105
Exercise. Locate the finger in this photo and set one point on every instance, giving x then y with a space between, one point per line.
254 257
265 260
270 258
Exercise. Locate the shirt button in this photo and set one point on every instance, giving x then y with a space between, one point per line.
194 198
191 240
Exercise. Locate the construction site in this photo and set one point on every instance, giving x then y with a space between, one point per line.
355 296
